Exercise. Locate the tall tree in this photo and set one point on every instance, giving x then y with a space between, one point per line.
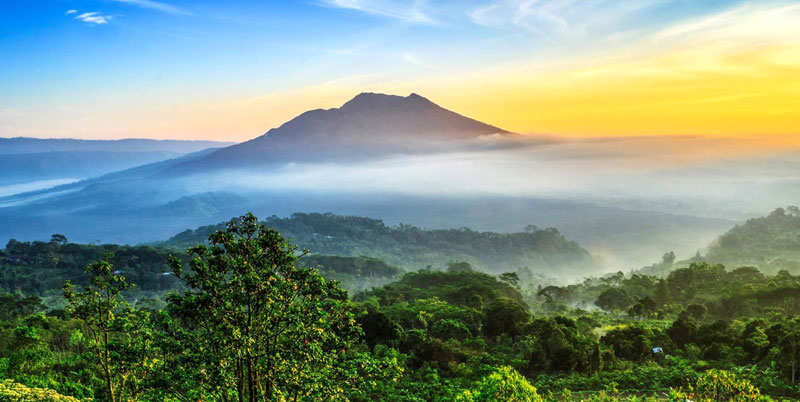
260 328
114 331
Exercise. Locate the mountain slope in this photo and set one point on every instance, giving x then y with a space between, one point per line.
66 197
368 125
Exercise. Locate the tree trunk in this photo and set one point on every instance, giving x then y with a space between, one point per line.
239 379
251 383
106 369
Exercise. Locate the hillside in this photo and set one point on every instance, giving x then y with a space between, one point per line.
412 248
771 243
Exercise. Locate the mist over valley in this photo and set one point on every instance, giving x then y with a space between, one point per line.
627 200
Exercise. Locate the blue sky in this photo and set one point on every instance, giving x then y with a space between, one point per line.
98 69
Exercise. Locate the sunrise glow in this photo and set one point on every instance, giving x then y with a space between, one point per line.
606 69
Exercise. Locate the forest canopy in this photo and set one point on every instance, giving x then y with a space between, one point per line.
246 315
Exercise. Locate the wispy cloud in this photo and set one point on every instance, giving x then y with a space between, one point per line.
71 12
414 59
417 12
154 5
94 18
749 21
559 18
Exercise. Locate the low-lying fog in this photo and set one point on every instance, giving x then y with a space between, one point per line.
720 178
32 186
628 200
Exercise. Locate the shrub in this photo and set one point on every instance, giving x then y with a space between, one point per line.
721 386
11 391
504 385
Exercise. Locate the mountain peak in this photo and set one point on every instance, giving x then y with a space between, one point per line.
367 126
371 101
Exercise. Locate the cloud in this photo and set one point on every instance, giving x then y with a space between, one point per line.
413 59
71 12
751 22
418 12
559 18
154 5
94 18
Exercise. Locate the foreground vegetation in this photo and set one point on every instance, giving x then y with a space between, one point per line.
250 318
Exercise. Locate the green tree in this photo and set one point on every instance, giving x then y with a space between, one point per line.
58 239
668 258
459 267
683 330
754 340
511 278
505 316
630 343
262 329
614 299
113 330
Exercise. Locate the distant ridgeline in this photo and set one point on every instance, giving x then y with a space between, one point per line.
543 251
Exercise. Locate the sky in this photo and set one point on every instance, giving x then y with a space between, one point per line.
231 70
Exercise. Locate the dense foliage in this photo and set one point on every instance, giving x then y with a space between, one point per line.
40 268
251 318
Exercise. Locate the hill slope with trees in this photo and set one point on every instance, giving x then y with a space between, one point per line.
771 243
409 247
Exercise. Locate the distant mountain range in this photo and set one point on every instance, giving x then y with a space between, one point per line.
24 160
25 145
